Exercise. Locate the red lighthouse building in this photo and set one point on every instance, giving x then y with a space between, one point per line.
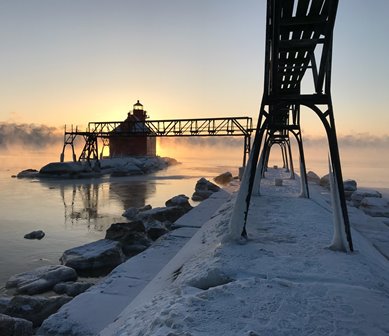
139 145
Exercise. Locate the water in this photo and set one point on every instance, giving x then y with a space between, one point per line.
75 212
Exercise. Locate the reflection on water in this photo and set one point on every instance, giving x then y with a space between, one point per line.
90 203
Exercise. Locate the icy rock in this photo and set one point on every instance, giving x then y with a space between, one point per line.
350 185
163 214
179 200
41 279
156 229
13 326
63 168
131 236
94 259
358 195
144 208
27 173
204 189
35 235
375 207
127 170
35 308
4 301
325 181
224 178
118 231
152 164
130 213
71 288
313 177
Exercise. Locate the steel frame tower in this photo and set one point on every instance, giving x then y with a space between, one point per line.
299 36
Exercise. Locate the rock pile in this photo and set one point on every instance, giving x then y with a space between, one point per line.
369 201
204 189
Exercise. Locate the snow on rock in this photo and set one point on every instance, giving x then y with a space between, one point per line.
162 214
71 288
313 177
39 234
204 189
125 166
156 229
41 279
179 200
283 281
325 181
128 169
90 312
358 195
130 213
13 326
375 207
349 187
35 308
93 259
131 236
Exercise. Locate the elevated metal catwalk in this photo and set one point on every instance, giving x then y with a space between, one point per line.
299 35
230 126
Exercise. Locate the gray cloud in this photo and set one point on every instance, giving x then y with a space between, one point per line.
29 136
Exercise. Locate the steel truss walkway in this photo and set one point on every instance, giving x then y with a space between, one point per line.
230 126
299 35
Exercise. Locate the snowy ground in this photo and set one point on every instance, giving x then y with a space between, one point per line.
283 281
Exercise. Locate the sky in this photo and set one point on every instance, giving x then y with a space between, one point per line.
71 62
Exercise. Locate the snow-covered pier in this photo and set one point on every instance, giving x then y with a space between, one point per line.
283 281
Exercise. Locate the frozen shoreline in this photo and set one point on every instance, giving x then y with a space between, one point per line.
282 282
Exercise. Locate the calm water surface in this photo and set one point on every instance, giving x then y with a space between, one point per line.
75 212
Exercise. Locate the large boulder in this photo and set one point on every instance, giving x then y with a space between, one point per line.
39 234
27 173
157 229
94 259
117 231
13 326
313 177
65 168
325 181
349 187
131 236
204 189
358 195
131 213
130 168
41 279
224 178
71 288
4 302
163 214
35 308
375 206
179 200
